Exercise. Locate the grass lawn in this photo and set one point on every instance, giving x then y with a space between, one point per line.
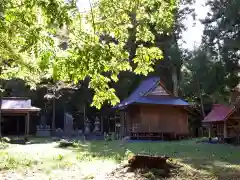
217 161
200 161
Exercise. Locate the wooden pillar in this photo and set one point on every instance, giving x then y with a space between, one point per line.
225 133
115 128
26 126
122 114
210 131
17 125
101 124
124 124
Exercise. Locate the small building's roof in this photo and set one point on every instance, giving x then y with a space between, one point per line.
219 112
17 104
142 95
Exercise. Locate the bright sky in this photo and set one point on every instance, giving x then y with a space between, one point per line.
192 36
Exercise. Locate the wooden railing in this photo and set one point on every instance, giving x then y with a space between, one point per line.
157 136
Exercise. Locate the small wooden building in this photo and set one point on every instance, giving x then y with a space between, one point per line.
151 111
224 119
17 107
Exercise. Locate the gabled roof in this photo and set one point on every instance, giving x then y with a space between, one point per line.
142 95
219 112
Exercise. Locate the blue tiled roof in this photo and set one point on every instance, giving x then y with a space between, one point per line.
162 100
146 86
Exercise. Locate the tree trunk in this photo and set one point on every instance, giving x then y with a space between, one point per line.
148 161
175 80
53 116
201 99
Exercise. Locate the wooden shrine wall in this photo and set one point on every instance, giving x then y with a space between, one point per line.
233 124
158 118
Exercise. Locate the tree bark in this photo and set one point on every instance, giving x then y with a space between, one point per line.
53 116
175 80
201 99
148 161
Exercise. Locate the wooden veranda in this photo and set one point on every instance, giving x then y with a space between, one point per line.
18 106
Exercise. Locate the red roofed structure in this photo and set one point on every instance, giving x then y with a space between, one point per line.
224 120
220 112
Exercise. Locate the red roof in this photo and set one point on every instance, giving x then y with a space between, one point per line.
219 112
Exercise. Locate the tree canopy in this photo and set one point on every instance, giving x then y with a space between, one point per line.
115 37
111 47
29 46
26 27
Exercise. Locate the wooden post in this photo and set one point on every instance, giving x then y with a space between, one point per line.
115 128
101 124
210 131
53 116
122 124
27 126
84 113
225 133
17 125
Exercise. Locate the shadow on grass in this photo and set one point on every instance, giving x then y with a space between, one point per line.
89 150
20 140
216 160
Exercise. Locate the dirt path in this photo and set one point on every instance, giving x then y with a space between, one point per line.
43 170
44 150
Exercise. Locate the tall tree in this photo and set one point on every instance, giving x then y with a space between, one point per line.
221 36
214 66
124 21
26 29
170 68
55 90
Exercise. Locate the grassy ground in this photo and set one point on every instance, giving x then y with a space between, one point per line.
200 161
207 160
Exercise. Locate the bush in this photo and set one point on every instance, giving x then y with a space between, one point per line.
5 139
59 157
4 142
65 144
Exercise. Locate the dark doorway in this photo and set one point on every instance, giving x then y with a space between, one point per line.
13 125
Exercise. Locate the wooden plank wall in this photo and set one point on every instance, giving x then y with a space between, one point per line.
159 118
233 123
